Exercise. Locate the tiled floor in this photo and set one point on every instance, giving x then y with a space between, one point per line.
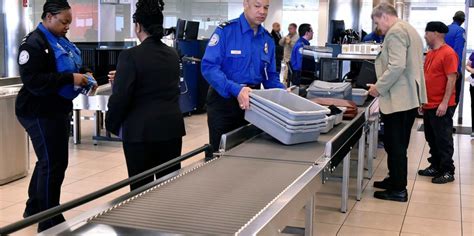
432 209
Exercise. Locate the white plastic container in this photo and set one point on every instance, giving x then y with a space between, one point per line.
340 116
341 90
283 122
359 96
288 104
282 134
331 120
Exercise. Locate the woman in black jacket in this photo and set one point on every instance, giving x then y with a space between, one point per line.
144 107
49 66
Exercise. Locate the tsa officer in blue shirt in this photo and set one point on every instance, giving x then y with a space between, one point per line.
455 38
306 33
239 57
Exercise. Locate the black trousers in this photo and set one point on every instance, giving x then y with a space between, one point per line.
439 135
144 156
296 78
223 115
49 137
397 130
458 88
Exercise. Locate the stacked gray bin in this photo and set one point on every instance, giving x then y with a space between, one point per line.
286 116
342 90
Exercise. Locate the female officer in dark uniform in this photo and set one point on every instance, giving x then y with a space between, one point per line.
144 106
48 68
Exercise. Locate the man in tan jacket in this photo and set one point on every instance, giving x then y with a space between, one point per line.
288 42
401 90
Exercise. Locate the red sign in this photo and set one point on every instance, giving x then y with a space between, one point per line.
25 3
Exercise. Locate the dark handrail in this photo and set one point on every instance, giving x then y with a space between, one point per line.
44 215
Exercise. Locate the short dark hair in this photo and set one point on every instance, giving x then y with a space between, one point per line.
294 25
149 14
54 7
303 29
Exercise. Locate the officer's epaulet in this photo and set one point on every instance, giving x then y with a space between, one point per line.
225 23
25 38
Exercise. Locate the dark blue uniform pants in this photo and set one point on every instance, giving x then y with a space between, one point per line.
439 135
146 155
49 137
223 115
397 130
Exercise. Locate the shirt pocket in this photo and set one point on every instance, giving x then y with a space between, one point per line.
236 60
265 62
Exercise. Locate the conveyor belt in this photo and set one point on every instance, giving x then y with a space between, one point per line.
220 198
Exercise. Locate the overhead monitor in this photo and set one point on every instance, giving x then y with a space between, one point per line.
180 26
192 30
336 31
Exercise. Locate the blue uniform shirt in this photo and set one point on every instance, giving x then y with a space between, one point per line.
456 38
373 37
235 57
297 54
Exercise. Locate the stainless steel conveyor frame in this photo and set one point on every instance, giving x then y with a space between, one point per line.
253 187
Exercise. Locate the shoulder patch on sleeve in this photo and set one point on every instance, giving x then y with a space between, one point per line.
214 40
24 57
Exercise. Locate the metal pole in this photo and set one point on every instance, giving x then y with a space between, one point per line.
309 222
463 65
360 163
345 182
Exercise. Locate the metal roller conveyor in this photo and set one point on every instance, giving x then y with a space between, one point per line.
254 187
220 197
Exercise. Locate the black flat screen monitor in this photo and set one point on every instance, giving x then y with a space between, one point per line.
336 31
192 30
366 75
180 25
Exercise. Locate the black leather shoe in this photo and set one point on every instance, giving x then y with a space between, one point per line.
384 184
392 195
429 171
443 179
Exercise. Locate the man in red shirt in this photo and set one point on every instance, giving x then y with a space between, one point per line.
440 76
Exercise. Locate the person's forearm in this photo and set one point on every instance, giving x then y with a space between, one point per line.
450 85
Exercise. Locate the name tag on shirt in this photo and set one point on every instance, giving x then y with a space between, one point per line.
235 52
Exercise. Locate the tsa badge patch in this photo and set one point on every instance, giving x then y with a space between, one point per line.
300 50
214 40
24 57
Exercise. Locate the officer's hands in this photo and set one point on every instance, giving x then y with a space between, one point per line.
95 85
287 39
373 90
243 98
80 79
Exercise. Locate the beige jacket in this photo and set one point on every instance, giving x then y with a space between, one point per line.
288 47
399 68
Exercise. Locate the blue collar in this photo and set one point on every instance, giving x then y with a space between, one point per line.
245 26
305 42
50 36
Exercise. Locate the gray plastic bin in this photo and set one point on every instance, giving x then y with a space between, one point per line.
325 89
317 119
289 105
283 122
282 134
359 96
